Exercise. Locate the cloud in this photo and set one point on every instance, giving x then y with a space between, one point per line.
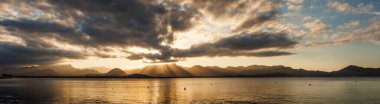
98 24
248 13
110 23
316 27
254 41
130 21
252 21
294 5
245 44
338 6
346 7
326 43
362 8
270 12
370 33
46 31
13 55
349 25
296 1
376 13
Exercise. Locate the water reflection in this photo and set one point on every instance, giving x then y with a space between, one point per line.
198 90
119 90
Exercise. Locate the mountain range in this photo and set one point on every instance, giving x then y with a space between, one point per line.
173 71
59 70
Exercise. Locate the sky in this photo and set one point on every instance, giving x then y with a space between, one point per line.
321 35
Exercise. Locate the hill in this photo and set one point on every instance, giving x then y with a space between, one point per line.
200 71
58 70
138 76
100 69
260 70
353 70
173 70
116 72
43 72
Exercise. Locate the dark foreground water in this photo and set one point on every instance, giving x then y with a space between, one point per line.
198 90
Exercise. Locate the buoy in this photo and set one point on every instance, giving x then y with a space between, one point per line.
309 84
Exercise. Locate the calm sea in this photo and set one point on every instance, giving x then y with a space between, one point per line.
192 90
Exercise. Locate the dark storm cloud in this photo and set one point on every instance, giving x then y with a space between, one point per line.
245 44
127 22
254 41
257 20
219 8
110 23
13 55
31 31
100 24
106 22
32 26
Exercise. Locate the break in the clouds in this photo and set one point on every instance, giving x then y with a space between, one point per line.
36 32
243 44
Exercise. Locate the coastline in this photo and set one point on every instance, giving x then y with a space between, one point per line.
63 77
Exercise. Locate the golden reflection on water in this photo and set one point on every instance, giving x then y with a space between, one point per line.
198 90
175 91
122 90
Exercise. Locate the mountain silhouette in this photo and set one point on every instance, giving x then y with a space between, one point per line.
261 70
31 71
116 72
100 69
58 70
18 71
173 70
68 70
353 70
43 72
138 76
201 71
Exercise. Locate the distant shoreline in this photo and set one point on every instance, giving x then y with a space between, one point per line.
63 77
253 71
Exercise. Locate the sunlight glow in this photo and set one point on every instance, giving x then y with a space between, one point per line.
142 50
